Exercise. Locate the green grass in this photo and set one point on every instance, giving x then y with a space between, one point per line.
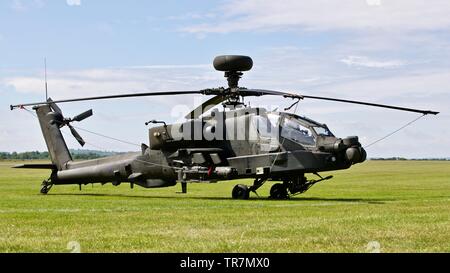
405 206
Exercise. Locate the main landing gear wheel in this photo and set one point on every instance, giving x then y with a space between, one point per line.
279 192
240 192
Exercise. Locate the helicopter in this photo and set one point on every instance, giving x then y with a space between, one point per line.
210 146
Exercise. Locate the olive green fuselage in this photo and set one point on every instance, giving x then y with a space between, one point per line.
239 150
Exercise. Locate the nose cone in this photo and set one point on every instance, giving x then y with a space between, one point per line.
356 154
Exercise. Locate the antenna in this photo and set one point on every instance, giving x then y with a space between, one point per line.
45 68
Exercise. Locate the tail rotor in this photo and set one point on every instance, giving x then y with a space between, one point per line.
58 118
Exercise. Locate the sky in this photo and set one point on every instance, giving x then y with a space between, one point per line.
392 52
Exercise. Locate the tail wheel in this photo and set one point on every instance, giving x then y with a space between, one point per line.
279 192
46 186
44 190
240 192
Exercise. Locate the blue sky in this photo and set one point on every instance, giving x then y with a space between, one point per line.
395 52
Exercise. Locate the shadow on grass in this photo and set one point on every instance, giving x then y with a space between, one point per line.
252 199
349 200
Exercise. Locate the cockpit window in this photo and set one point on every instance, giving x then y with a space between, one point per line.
294 130
322 131
299 129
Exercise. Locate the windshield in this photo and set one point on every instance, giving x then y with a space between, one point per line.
322 131
299 129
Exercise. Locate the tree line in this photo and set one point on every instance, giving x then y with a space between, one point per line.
402 158
36 155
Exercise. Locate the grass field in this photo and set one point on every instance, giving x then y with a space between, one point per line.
402 205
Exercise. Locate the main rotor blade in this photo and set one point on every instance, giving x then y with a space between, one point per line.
76 135
164 93
54 106
225 93
260 92
205 107
83 115
425 112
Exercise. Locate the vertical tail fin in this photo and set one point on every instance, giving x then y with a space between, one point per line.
56 145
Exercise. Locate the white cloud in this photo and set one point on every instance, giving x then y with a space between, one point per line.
250 15
193 16
373 2
21 5
367 62
73 2
420 86
187 66
18 5
87 82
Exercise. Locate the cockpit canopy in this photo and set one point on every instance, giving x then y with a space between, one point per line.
301 130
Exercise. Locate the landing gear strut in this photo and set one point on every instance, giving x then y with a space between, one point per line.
280 191
257 184
182 180
46 186
294 186
301 185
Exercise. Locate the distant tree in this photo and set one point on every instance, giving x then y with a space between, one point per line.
34 155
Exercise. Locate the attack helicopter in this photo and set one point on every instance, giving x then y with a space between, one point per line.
210 146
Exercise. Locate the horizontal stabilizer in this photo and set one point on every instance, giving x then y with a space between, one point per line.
36 166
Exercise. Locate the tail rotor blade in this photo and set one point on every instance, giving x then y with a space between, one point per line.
76 135
83 115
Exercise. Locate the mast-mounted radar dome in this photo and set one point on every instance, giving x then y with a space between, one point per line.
233 65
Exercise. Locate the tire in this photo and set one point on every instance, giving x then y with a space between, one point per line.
44 190
45 187
240 192
279 192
